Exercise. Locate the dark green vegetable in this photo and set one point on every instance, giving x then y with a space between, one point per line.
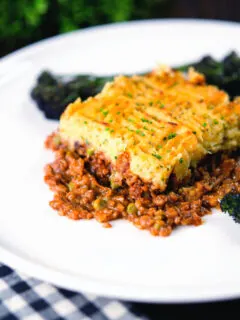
231 205
53 93
225 73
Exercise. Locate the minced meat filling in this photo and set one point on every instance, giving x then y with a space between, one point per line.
82 190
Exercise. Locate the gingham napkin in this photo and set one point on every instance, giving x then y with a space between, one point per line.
22 297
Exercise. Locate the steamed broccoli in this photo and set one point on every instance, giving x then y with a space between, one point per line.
231 204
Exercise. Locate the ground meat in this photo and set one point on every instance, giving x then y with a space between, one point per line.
81 186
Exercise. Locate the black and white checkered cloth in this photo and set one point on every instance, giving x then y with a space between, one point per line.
26 298
22 297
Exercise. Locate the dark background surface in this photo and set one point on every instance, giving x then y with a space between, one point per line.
23 21
226 310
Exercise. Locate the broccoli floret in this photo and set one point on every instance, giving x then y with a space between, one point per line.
231 205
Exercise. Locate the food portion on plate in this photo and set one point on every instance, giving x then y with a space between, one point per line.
159 150
52 93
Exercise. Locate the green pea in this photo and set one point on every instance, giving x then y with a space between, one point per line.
99 204
131 208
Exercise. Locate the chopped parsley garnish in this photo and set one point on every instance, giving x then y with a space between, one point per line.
150 103
109 129
156 156
118 112
146 120
105 113
131 120
140 133
85 122
215 121
171 135
145 128
181 160
194 132
173 85
204 124
161 105
129 95
158 147
110 121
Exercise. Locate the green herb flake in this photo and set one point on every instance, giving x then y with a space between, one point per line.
181 160
118 113
194 132
204 124
145 128
129 95
105 113
150 103
131 120
156 156
173 85
172 135
215 121
85 122
110 121
158 147
146 120
142 134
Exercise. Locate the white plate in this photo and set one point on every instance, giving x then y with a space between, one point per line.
193 264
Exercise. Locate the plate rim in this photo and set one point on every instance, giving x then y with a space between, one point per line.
78 283
35 45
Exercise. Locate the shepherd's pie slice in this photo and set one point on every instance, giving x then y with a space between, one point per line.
164 122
